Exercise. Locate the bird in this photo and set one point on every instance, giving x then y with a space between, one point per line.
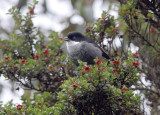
80 47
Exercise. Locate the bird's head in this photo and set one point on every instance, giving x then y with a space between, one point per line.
75 36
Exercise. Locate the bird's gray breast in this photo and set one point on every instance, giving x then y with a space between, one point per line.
83 51
73 49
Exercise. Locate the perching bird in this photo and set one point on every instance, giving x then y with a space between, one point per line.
79 47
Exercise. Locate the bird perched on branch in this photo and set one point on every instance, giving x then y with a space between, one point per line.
79 47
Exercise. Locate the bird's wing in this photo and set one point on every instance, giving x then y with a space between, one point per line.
89 52
104 54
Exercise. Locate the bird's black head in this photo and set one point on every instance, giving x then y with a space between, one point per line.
76 36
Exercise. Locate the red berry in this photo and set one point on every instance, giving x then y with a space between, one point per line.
36 57
116 71
24 61
116 62
62 39
74 86
19 107
15 67
86 69
46 58
6 58
114 29
51 68
135 55
88 28
39 103
98 62
135 64
123 89
102 20
153 31
46 52
31 11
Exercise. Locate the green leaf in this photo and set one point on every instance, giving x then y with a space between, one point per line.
4 75
36 2
137 96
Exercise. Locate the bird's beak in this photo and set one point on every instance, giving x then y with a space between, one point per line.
66 39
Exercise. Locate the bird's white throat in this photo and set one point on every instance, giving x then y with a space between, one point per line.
72 43
72 46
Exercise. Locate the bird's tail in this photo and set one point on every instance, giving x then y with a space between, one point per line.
105 55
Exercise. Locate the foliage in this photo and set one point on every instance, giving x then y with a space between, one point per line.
100 91
36 106
31 58
140 24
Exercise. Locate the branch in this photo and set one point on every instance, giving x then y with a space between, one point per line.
131 27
